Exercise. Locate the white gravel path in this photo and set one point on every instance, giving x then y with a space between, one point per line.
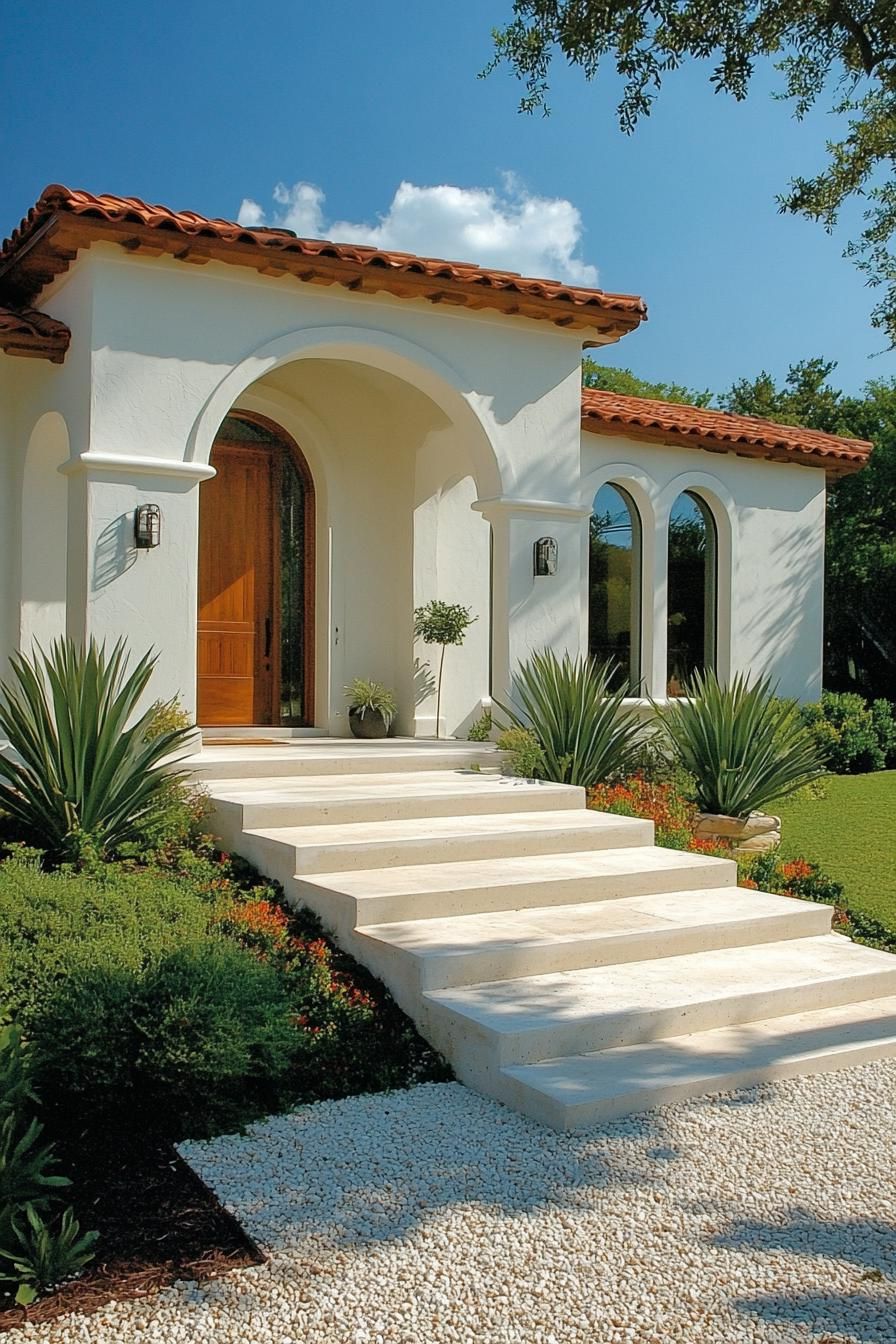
436 1217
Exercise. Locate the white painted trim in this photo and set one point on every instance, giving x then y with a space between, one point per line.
139 466
546 507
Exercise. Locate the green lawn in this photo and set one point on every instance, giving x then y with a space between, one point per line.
851 834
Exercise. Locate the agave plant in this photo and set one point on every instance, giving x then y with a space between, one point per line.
743 746
86 772
585 732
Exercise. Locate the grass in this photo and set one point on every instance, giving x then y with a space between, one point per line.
850 834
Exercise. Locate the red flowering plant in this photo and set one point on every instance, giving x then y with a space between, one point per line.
673 815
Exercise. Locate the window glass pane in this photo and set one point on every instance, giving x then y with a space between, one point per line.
234 429
292 592
691 590
614 594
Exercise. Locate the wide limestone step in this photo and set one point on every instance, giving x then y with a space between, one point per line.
507 944
582 1090
500 835
327 800
522 1021
439 890
326 756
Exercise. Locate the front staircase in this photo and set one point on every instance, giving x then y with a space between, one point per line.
560 961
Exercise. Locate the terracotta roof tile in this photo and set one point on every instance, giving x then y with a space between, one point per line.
719 431
27 332
63 221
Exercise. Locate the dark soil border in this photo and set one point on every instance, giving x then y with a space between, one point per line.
158 1222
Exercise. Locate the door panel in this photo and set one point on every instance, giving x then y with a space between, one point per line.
236 590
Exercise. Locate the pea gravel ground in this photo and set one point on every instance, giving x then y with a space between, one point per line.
433 1216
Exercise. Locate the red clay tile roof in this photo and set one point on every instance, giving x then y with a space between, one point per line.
26 332
719 432
63 221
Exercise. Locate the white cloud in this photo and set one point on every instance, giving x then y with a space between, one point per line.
508 228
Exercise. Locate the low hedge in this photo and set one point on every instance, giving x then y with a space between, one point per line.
854 736
187 996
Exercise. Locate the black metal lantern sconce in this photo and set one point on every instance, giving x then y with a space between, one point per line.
147 526
545 557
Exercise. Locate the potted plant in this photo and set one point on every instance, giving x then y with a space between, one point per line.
744 748
442 623
371 708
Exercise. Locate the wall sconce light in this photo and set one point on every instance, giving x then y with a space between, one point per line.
147 526
545 557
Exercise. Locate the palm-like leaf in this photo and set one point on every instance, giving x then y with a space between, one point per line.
584 729
743 746
82 766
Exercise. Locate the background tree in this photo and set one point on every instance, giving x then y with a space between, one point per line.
628 384
840 48
860 550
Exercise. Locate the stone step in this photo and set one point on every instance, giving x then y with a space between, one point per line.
542 1017
508 944
582 1090
439 890
328 756
316 800
502 835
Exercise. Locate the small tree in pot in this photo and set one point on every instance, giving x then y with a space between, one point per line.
442 623
371 708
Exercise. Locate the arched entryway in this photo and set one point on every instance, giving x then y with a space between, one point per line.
255 642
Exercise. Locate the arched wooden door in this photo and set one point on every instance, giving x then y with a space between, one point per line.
255 654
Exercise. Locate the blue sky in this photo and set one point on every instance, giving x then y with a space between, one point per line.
206 105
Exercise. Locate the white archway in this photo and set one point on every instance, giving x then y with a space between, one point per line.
411 363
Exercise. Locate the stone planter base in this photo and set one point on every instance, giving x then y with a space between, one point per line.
754 834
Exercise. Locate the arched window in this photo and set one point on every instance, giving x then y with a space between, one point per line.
614 585
692 588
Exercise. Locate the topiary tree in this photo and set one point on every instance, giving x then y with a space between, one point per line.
442 623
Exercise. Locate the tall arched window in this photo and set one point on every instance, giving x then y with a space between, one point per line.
614 587
692 589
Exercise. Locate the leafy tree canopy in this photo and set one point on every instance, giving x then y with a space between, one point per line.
848 46
626 383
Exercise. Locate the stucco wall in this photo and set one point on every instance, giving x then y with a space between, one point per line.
442 443
770 522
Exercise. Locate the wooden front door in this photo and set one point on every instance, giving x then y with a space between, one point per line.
237 607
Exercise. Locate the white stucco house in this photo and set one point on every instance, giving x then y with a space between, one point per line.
333 435
257 454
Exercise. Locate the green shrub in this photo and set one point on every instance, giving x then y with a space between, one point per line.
582 727
86 777
525 757
884 720
854 737
481 730
35 1254
166 716
202 1041
54 926
742 745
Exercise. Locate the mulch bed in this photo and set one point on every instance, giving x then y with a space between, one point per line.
158 1222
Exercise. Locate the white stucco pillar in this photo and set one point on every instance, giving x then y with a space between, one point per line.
531 613
115 590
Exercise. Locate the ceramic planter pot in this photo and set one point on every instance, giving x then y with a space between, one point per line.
369 724
754 834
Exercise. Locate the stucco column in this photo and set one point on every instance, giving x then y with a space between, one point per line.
115 590
529 612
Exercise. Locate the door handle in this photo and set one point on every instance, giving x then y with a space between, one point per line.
267 636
